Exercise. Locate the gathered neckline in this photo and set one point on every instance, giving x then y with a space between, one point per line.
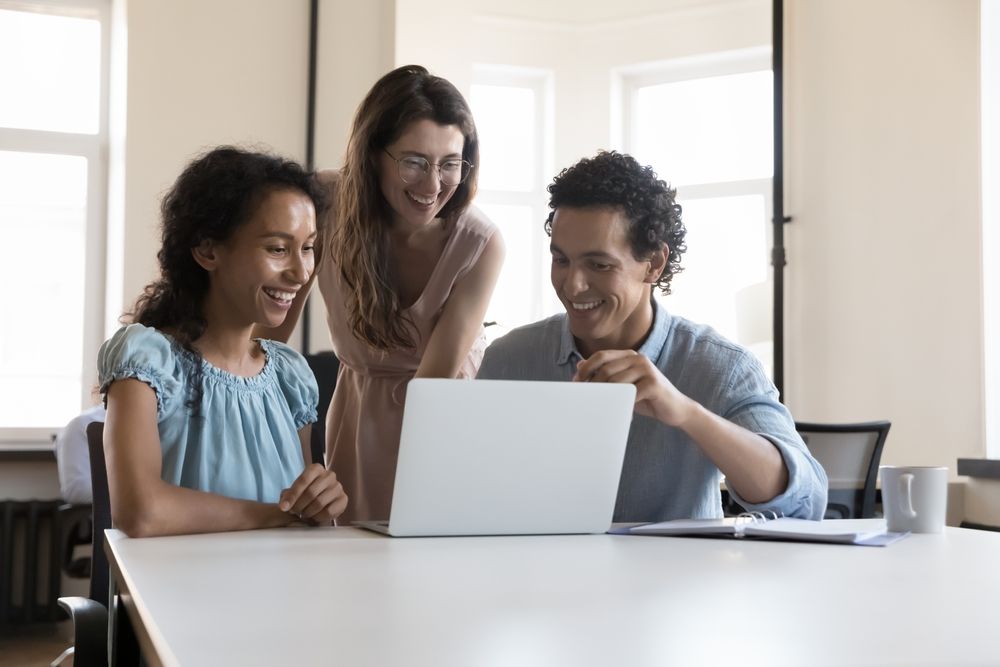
261 379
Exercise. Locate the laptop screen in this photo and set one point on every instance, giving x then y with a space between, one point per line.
491 457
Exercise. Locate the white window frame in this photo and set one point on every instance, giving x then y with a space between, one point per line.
542 82
626 83
93 148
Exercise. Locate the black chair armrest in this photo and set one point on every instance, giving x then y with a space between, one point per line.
90 628
75 528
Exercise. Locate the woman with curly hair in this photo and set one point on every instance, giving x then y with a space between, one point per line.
207 428
408 270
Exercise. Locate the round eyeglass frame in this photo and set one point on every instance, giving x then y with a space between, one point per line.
467 168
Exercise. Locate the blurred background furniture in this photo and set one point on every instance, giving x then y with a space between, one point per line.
980 503
90 614
850 454
76 529
325 366
30 562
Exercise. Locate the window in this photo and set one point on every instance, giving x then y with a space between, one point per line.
705 125
512 108
53 182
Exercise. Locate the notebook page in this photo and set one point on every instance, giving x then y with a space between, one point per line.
848 531
725 526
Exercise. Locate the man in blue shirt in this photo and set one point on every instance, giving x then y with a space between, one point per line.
704 405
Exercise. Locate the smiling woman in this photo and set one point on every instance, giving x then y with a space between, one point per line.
408 270
265 262
208 429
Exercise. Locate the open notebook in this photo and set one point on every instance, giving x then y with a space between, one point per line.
866 532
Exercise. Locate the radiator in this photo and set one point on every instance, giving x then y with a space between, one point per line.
30 562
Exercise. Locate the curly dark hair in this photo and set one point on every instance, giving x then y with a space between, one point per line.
617 180
215 194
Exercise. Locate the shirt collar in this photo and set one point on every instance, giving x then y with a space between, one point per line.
657 337
567 346
651 347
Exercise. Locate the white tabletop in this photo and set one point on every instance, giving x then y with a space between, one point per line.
341 596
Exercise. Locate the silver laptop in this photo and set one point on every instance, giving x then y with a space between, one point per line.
506 457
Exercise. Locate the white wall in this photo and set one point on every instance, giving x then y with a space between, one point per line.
440 35
201 74
584 57
232 71
990 112
882 178
882 171
883 311
356 47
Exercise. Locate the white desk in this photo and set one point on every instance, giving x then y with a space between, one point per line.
341 596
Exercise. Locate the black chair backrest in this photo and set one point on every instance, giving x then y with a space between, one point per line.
850 454
325 366
102 512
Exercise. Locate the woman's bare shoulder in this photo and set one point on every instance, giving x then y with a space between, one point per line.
328 177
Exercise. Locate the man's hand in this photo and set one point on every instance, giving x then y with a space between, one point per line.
752 464
655 395
315 496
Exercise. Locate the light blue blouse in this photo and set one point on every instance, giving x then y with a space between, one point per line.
244 441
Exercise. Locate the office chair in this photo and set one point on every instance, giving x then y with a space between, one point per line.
75 529
325 366
90 614
850 455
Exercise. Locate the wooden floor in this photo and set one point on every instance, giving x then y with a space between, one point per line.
34 647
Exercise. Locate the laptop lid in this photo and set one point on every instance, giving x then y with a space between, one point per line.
501 457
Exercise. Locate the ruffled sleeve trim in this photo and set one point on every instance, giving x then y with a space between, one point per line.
140 353
295 380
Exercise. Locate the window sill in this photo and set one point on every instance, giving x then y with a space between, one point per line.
981 468
10 452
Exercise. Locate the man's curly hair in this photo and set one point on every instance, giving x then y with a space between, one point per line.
617 180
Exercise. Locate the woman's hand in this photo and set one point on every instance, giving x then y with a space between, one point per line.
315 496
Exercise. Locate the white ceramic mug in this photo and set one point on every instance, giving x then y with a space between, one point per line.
914 498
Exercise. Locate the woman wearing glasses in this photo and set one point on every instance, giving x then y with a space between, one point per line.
407 271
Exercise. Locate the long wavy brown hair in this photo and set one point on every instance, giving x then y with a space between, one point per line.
358 243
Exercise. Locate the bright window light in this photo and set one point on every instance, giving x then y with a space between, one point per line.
711 137
50 70
43 216
725 278
505 120
706 130
514 298
53 170
511 106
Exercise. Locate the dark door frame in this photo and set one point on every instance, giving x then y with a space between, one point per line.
778 257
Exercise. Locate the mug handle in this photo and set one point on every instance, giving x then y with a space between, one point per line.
905 495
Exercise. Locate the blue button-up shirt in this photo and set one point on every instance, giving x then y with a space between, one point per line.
665 474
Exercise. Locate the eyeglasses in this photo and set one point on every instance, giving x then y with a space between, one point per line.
413 169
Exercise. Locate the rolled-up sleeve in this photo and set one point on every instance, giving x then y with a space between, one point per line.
755 407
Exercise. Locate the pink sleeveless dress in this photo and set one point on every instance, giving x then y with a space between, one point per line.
366 412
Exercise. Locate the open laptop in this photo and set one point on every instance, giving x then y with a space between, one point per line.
508 457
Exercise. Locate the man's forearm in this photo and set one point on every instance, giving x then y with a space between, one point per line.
753 466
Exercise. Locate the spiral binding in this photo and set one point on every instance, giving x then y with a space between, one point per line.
753 518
